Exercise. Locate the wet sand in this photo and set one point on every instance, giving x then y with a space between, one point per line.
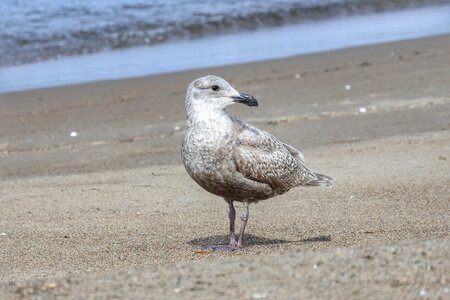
112 211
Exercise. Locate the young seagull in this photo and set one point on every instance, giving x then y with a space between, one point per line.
233 159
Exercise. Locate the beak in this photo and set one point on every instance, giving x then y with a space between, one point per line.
245 99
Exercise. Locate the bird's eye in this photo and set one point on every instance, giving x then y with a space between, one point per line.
215 87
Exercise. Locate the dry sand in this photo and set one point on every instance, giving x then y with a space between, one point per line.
112 211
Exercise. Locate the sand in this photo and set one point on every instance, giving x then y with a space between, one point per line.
112 211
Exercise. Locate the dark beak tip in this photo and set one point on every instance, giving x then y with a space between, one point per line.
246 99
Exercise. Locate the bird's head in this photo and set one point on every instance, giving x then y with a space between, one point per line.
215 92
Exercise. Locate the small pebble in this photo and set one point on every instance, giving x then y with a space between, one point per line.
259 295
348 87
362 110
423 292
51 285
3 233
177 290
297 76
176 128
73 134
315 267
351 197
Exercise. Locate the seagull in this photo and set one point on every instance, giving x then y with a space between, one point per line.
234 160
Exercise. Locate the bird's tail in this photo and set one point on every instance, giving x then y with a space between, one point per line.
311 178
320 180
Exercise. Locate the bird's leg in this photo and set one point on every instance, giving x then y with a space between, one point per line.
232 216
244 218
233 244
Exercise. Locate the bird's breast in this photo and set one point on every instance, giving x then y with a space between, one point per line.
206 150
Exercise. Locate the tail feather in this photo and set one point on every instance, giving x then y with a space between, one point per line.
320 180
311 178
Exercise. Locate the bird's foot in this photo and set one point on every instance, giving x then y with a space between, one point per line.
222 247
234 243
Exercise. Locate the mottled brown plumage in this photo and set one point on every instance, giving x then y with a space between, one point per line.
235 160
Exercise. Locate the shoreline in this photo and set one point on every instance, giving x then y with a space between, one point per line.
107 211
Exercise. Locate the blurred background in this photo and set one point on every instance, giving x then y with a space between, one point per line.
48 42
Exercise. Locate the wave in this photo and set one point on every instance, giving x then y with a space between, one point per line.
137 24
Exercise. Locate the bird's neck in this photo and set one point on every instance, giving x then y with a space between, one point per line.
207 116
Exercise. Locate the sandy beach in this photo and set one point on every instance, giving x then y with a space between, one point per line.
112 212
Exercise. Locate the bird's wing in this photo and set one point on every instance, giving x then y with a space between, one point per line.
295 152
261 157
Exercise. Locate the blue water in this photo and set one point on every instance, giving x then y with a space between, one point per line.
230 47
37 30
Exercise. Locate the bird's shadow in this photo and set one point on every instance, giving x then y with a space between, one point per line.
253 240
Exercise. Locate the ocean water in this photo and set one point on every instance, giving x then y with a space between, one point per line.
45 29
51 42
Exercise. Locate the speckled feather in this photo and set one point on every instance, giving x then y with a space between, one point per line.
235 160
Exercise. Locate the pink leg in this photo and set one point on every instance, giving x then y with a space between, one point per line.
244 217
233 244
232 216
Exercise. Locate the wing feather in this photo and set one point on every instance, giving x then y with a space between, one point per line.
261 157
295 152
